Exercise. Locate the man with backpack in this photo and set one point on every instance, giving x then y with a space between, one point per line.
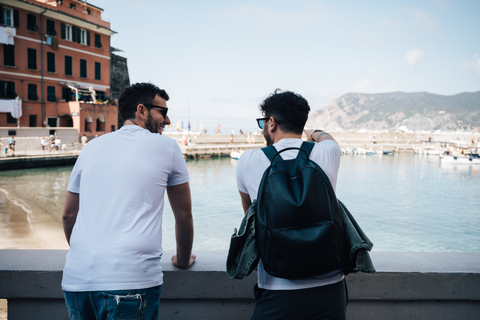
319 294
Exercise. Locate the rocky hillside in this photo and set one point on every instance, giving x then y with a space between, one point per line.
386 111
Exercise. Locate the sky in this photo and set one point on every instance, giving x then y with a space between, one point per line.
218 60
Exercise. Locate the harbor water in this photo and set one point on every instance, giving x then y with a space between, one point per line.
404 203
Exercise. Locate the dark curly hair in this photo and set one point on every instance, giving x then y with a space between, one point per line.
138 93
288 108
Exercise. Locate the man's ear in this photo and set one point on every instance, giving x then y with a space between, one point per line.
141 112
273 125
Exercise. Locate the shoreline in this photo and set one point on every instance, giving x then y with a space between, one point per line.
21 227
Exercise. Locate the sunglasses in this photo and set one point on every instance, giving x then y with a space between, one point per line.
163 110
261 122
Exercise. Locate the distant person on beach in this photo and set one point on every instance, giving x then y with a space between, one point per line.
52 142
318 297
43 143
84 140
11 146
58 143
113 213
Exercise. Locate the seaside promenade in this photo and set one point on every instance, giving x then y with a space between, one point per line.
29 154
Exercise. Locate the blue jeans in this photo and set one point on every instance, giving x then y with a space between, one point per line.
140 304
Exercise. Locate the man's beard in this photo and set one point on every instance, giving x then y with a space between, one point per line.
151 125
267 137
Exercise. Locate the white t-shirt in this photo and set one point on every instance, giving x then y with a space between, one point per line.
250 169
116 243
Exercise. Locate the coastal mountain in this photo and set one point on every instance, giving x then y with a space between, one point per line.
388 111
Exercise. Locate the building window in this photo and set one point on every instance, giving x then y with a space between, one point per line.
9 55
32 22
98 42
51 28
73 6
67 32
9 17
7 90
98 71
51 62
32 121
32 59
68 65
82 36
83 68
10 119
32 92
51 94
66 94
100 124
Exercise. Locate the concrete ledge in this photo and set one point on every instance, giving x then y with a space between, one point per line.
406 286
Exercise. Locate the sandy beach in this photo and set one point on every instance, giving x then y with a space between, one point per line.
23 227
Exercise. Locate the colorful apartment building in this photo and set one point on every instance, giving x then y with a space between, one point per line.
55 66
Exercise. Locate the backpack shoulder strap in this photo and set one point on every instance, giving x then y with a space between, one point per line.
307 147
270 152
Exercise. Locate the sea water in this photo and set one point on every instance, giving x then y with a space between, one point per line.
405 202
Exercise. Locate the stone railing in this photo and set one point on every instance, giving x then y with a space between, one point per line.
406 286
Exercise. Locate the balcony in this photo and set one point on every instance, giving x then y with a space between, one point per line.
406 286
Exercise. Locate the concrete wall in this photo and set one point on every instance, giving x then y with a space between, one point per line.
406 286
27 140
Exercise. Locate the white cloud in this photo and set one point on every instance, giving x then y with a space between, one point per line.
472 64
412 57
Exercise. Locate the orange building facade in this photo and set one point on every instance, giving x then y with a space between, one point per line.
55 66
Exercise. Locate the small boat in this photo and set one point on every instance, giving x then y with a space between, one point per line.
448 159
388 152
235 155
360 151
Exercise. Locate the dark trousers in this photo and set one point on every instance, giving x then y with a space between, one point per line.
326 302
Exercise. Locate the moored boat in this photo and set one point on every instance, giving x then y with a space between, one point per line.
449 159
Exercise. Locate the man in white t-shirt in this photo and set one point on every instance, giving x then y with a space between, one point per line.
113 213
320 297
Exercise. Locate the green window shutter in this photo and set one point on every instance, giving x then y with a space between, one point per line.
9 55
11 90
98 71
51 94
1 15
62 31
16 20
32 58
51 27
68 65
50 62
83 68
31 22
32 92
88 38
98 42
74 34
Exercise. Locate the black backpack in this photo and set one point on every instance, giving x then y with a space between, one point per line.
299 226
